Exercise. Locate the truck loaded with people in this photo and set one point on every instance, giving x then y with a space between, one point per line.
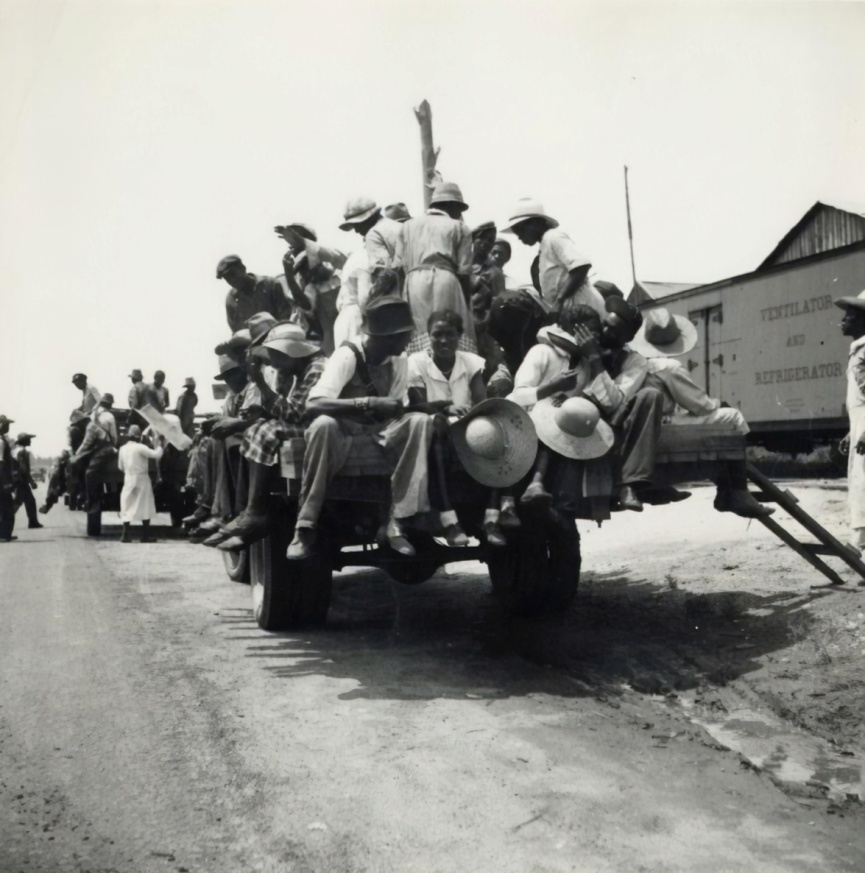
403 408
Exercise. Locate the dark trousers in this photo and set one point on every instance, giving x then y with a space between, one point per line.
24 494
56 486
638 435
7 513
99 462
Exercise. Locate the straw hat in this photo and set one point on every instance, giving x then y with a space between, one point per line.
290 340
358 211
527 207
573 429
448 192
495 442
259 326
664 334
857 302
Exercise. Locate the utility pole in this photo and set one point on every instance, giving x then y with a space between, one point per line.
630 230
429 154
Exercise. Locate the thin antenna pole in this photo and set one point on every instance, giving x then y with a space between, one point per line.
630 229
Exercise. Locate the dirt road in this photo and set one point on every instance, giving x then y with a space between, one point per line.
146 724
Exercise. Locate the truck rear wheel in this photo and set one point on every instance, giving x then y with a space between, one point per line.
539 569
289 594
237 565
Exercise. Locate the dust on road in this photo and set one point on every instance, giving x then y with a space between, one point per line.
146 723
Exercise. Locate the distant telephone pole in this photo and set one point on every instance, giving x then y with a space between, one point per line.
429 153
630 229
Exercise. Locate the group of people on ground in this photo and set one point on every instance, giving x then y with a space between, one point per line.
418 341
16 481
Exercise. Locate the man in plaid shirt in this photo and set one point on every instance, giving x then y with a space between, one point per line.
299 363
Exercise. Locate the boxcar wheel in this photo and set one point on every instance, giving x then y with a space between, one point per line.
289 594
237 565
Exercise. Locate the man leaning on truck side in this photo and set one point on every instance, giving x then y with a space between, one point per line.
853 445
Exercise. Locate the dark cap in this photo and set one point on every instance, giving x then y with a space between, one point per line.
486 227
629 313
25 437
79 376
227 262
387 316
106 400
608 289
397 212
4 420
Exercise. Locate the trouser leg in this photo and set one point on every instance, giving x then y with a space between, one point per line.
7 514
56 486
640 431
93 478
26 497
327 448
407 442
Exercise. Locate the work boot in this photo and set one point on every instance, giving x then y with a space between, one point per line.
494 534
455 535
209 525
231 544
7 539
302 545
125 537
44 509
741 502
628 499
215 539
35 524
659 495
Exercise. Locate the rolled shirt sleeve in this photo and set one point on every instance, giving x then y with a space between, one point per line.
336 375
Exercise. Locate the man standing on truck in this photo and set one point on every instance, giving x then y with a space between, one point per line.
98 448
251 293
156 393
138 390
90 395
364 389
853 445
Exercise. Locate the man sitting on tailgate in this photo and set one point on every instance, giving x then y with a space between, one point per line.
363 389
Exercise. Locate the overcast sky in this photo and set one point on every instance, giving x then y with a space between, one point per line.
142 141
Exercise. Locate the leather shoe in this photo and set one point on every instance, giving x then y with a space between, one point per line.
31 526
628 499
216 538
209 525
741 502
302 545
508 516
397 539
231 544
455 535
494 534
198 516
536 493
44 509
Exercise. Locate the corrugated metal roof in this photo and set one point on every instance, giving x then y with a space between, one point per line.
822 228
644 292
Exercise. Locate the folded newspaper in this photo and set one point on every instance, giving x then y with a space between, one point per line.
167 425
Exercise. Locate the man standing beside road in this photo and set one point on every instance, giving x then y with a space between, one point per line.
25 485
250 294
7 484
90 395
853 445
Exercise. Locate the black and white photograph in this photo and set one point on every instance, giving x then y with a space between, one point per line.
432 436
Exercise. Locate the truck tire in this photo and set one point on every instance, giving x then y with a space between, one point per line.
289 594
237 565
94 523
539 569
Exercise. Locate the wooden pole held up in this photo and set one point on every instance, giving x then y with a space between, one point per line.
429 154
630 231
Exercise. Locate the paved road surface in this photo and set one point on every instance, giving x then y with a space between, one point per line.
146 724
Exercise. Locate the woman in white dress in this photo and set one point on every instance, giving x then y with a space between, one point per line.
136 499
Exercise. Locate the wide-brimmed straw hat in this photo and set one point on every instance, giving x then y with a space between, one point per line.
239 342
448 192
290 340
573 428
259 326
857 302
495 442
358 211
526 208
226 365
664 334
